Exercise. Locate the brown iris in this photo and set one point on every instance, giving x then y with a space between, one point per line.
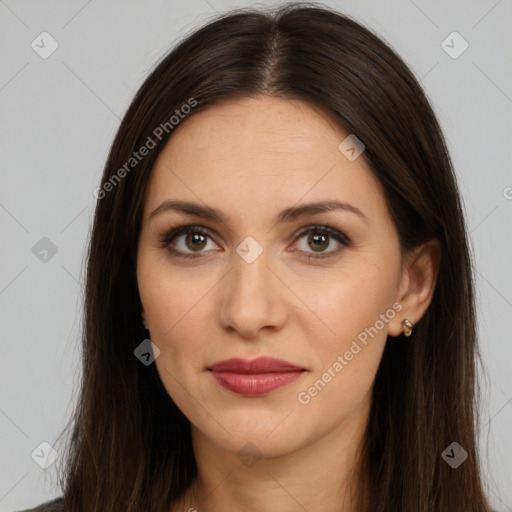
319 241
196 240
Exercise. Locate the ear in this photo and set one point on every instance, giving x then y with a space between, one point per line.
416 289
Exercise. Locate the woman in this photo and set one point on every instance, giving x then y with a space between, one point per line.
318 349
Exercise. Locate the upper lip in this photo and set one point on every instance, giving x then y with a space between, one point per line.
260 365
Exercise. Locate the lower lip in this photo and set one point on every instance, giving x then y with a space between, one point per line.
255 384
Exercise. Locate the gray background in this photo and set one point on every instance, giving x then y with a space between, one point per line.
59 116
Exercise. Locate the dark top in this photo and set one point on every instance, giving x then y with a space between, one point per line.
55 505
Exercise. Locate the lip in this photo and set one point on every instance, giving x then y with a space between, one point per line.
260 365
257 377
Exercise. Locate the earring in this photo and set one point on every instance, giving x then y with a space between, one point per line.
407 327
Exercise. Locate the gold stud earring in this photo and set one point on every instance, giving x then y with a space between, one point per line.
407 327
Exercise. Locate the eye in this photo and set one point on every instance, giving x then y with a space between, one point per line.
195 239
318 239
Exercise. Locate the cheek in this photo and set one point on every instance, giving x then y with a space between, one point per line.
169 295
175 302
351 300
356 308
176 319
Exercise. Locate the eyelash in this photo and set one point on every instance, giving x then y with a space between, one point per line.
167 238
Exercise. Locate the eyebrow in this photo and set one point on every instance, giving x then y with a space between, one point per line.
286 215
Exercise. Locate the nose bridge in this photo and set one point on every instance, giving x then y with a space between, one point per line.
250 299
251 265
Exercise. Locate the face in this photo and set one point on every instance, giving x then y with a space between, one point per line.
317 289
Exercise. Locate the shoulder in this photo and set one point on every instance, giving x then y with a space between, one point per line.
55 505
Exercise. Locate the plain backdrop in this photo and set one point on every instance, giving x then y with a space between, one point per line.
59 115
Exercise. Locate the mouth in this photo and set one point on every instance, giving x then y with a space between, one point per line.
257 377
260 365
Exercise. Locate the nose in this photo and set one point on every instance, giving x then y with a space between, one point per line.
253 297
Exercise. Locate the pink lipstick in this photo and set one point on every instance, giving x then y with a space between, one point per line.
255 378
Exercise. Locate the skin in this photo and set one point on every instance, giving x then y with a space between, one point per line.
250 159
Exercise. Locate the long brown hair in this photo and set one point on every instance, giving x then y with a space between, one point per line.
130 446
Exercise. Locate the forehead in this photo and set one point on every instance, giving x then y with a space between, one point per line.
247 154
258 128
